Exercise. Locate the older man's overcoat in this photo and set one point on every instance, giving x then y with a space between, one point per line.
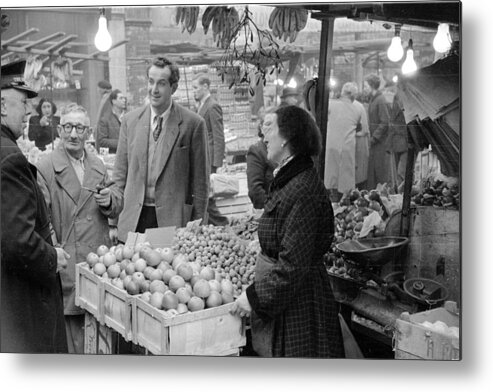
31 306
296 230
182 185
79 224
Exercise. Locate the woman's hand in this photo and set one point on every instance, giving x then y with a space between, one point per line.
241 306
45 121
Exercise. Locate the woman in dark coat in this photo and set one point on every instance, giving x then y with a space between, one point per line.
43 127
293 312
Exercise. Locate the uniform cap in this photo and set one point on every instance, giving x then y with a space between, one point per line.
12 76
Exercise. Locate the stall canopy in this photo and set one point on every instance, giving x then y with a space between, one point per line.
431 101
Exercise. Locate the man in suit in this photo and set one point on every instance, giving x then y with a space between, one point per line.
109 124
162 169
104 89
31 303
79 217
212 113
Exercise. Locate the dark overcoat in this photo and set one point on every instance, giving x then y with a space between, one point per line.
109 131
41 135
31 318
259 173
378 122
296 230
212 113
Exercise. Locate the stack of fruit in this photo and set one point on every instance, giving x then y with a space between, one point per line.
219 248
245 227
225 22
188 17
355 206
438 194
287 22
166 280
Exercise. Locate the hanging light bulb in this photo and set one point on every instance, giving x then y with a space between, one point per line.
409 64
103 40
395 50
292 83
442 41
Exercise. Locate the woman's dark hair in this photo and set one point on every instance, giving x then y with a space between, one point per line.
41 102
298 127
114 95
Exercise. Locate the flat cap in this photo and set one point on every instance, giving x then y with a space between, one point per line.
12 76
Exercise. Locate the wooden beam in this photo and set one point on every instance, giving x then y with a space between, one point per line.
19 36
56 48
42 40
323 86
44 52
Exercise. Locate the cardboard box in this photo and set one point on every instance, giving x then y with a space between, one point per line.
213 332
160 237
413 340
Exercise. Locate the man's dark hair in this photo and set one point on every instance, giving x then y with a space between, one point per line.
373 81
114 95
163 62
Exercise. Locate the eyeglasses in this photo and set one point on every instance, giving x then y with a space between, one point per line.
80 129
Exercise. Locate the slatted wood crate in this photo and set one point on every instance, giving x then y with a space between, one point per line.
212 332
88 288
116 309
413 340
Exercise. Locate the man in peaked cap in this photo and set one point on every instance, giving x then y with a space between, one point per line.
30 298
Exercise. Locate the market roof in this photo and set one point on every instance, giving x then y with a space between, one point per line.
420 13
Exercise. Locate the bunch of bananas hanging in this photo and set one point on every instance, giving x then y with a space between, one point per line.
287 22
224 22
188 17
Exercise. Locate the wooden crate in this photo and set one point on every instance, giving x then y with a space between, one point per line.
414 341
116 310
88 287
434 248
213 332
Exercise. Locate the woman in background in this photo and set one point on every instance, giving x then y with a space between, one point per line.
43 127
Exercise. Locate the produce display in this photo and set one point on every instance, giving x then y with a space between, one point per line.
224 21
287 22
219 248
245 227
188 17
437 194
206 267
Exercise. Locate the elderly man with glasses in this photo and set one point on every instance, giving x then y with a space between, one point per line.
75 184
31 306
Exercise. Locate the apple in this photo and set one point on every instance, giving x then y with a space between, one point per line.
102 250
127 252
91 259
109 259
167 254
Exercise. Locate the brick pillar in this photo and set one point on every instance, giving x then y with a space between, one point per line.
137 26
